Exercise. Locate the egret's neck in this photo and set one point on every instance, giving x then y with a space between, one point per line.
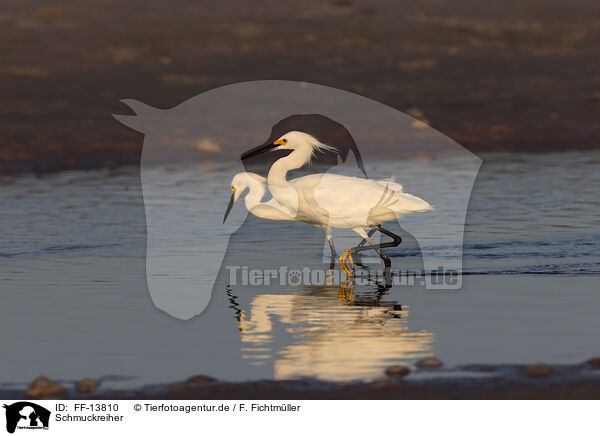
277 177
256 192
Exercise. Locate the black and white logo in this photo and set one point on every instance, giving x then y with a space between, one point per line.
26 415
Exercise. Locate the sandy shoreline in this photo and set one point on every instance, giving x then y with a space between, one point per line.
482 382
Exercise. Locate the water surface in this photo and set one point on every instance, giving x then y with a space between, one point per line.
74 301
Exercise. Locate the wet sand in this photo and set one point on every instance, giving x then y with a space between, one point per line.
508 76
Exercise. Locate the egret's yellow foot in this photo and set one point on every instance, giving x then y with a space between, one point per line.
345 293
342 260
346 255
349 257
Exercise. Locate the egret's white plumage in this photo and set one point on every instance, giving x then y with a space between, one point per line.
257 187
324 200
335 200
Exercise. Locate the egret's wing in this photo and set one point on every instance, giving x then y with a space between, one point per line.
344 196
391 184
351 196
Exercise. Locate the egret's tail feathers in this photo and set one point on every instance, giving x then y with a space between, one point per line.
409 203
393 205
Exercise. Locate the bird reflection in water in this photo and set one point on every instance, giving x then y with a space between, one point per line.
328 332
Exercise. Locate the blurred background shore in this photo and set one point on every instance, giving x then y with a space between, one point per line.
504 76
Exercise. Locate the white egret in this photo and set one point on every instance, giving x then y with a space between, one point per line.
257 187
331 200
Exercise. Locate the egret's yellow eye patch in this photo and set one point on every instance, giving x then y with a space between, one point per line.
233 189
280 142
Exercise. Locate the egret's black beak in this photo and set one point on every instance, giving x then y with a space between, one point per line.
259 150
229 206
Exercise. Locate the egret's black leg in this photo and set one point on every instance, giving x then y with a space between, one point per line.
332 262
371 246
364 241
332 248
394 243
396 240
330 240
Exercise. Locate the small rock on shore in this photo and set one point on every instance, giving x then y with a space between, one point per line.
430 363
44 388
539 370
86 386
397 371
200 379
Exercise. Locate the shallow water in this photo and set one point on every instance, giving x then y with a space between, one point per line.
74 301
